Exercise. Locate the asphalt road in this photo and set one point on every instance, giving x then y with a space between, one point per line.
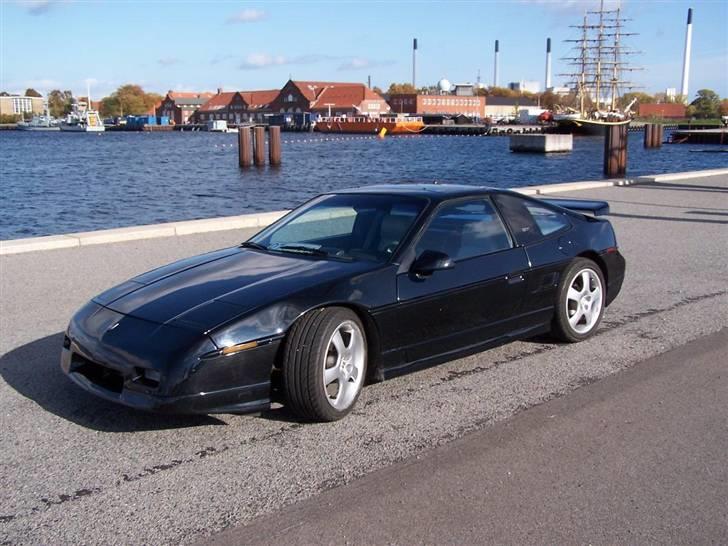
637 458
77 469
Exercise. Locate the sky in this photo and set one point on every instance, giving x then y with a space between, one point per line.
201 46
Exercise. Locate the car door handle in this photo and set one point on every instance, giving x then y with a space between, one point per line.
514 278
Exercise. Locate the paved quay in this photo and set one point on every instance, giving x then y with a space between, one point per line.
631 459
79 470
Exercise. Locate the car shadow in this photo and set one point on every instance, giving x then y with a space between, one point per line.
33 370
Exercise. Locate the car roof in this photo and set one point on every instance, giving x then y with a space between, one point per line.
434 191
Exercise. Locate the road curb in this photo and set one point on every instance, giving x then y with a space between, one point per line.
207 225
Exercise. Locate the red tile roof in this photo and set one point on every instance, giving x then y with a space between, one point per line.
258 99
219 100
312 89
189 95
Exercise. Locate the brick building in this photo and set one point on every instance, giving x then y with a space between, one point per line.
666 110
179 106
329 98
236 107
470 106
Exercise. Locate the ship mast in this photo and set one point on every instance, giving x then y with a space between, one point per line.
599 59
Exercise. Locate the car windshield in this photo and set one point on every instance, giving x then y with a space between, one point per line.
346 226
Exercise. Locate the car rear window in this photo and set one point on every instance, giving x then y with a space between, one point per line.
530 221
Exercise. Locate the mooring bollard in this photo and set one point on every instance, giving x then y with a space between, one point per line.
259 149
245 147
615 150
274 145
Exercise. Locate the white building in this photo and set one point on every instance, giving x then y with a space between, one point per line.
525 86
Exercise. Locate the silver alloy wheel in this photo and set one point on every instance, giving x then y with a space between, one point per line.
344 365
584 301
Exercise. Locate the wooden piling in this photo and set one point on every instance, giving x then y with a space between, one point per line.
259 149
615 151
648 135
274 145
657 135
245 147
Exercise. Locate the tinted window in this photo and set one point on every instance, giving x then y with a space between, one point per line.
464 230
529 221
355 226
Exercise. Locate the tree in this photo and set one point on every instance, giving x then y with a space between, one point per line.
401 89
129 99
724 107
30 92
642 98
707 105
501 92
60 103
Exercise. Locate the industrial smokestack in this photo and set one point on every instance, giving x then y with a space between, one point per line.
414 61
686 60
495 65
548 64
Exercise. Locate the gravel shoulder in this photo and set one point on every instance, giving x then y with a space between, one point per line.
79 470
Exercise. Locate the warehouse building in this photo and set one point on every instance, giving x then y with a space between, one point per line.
179 106
236 107
329 99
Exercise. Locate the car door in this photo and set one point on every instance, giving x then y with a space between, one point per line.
544 232
472 302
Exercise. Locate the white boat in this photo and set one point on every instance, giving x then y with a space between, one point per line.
87 121
220 126
83 119
39 123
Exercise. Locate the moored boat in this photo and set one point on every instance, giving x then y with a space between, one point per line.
38 123
394 125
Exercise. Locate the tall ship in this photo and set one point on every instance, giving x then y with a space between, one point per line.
393 125
600 64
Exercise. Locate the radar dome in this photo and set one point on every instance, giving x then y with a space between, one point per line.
444 85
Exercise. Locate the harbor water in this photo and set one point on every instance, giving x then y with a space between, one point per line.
59 183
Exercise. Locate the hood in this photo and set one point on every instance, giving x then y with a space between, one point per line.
212 289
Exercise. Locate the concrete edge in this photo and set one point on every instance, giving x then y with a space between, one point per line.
207 225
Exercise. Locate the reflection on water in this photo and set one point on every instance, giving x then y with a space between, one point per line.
60 182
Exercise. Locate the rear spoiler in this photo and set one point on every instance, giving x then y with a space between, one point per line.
597 208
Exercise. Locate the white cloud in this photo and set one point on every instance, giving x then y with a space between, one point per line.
255 61
168 61
359 63
249 15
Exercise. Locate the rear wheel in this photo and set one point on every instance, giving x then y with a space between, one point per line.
324 364
580 303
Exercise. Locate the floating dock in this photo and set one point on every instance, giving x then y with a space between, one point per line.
700 136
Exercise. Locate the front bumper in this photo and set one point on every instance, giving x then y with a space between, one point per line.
110 355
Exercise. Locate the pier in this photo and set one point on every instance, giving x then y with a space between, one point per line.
134 470
700 136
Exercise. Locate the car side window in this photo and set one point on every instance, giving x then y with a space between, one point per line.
464 230
529 221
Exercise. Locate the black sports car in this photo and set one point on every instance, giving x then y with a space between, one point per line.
353 286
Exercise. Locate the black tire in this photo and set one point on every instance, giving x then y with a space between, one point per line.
561 327
306 348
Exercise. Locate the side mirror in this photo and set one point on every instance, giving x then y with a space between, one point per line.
430 261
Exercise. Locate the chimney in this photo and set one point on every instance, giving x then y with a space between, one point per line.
686 59
548 64
219 90
495 66
414 61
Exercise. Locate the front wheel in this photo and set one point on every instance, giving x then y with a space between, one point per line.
580 303
324 364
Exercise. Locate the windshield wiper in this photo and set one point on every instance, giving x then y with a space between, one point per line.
311 251
251 244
